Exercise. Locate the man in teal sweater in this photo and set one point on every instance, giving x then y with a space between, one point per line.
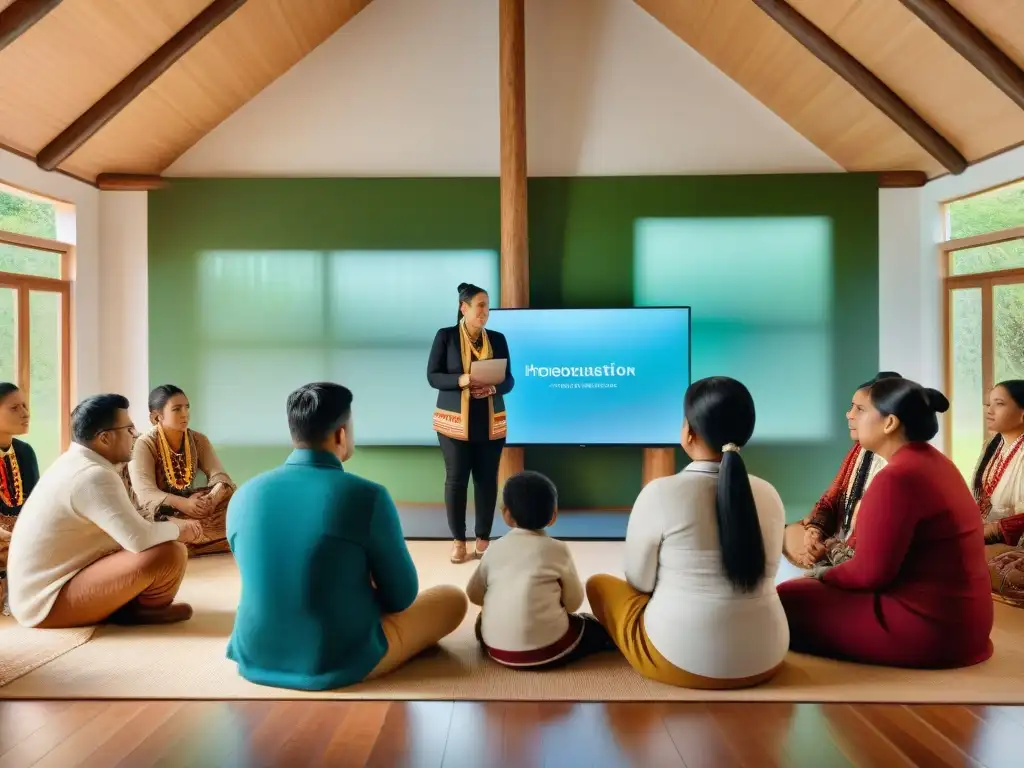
329 589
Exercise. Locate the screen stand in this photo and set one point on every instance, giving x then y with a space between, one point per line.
658 462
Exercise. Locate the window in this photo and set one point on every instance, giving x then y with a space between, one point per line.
761 292
27 214
983 261
35 317
270 321
992 211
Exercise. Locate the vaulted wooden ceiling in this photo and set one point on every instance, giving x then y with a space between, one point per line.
104 88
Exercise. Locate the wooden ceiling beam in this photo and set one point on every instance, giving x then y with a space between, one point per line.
20 16
901 179
970 42
865 82
129 182
121 95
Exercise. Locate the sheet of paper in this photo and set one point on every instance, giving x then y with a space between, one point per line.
488 371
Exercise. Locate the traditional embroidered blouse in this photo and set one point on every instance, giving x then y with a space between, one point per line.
835 513
1001 495
150 481
19 473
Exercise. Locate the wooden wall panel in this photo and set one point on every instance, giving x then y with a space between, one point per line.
753 50
932 78
256 45
72 57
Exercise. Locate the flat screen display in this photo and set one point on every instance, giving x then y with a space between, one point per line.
596 376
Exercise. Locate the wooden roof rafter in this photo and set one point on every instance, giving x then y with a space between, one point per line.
122 94
971 43
941 87
865 82
20 16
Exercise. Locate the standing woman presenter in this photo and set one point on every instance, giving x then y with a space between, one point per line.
470 416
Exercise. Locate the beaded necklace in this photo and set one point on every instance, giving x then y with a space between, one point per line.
853 489
178 470
996 468
12 492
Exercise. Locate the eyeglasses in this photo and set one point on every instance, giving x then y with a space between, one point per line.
130 427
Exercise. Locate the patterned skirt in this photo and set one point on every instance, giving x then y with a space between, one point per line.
214 538
1006 569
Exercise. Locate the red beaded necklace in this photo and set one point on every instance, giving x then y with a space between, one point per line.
12 492
996 469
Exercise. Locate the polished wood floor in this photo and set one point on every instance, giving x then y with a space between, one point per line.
481 734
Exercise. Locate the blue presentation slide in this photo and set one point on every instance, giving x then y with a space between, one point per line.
596 376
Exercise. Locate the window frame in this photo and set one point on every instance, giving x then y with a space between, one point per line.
23 285
986 282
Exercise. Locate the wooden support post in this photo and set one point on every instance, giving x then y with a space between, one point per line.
515 264
658 462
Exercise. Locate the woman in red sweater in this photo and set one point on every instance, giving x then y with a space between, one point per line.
917 591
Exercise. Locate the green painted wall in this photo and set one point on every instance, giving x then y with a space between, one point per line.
581 255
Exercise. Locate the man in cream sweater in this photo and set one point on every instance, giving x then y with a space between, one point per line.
81 553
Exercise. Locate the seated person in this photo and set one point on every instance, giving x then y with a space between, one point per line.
19 470
998 486
329 590
528 586
162 476
998 482
81 553
698 608
917 592
826 534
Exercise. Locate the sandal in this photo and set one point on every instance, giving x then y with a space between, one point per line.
479 552
459 553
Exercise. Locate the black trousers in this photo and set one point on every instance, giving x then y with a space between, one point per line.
480 459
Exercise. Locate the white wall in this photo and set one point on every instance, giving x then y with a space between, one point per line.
410 88
910 284
901 283
124 317
85 235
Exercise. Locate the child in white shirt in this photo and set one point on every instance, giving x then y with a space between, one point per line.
528 586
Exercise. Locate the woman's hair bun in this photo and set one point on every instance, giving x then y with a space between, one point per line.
463 286
936 400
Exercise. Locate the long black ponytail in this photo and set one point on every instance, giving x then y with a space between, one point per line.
720 411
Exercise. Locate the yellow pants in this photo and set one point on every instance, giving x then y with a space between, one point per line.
436 613
620 609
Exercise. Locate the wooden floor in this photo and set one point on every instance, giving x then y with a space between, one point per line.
476 735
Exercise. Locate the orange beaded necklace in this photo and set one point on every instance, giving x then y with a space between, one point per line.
178 479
